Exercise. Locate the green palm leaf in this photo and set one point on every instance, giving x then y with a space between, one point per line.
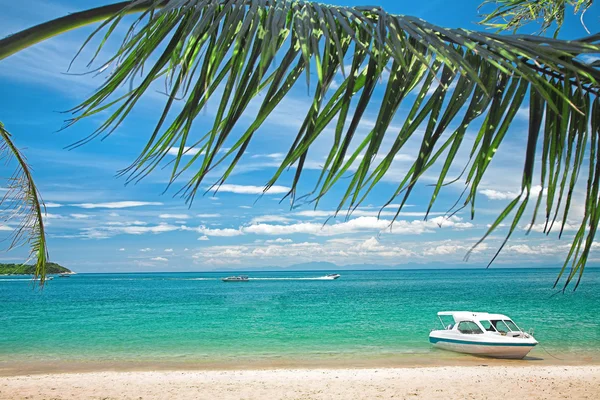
22 207
514 14
236 50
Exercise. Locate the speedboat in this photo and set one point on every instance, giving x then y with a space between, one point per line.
332 276
241 278
482 334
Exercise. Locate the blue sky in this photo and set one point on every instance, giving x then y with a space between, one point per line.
97 224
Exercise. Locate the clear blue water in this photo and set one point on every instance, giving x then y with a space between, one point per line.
195 317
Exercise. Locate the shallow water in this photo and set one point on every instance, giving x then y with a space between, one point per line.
366 315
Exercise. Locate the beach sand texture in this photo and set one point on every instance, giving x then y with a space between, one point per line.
480 382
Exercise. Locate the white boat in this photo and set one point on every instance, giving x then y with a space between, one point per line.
241 278
332 276
482 334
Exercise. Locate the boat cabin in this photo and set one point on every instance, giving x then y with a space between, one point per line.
467 322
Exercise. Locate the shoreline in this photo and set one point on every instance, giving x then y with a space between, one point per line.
531 382
438 359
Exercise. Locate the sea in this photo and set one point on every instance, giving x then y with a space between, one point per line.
284 317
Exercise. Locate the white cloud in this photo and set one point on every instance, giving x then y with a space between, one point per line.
208 215
118 204
103 232
275 156
499 195
159 259
365 213
360 224
203 238
279 240
246 207
539 227
113 214
225 232
126 223
187 151
52 205
168 250
122 249
145 249
173 216
493 194
250 189
80 216
270 218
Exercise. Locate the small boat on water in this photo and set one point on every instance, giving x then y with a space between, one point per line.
240 278
64 275
482 334
332 276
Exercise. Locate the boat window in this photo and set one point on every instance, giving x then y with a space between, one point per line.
511 325
469 327
487 325
500 326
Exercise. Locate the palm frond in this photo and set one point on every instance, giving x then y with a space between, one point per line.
21 207
227 50
514 14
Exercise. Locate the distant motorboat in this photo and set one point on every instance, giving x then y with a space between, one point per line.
240 278
332 276
64 275
482 334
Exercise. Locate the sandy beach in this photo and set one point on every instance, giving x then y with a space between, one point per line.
444 382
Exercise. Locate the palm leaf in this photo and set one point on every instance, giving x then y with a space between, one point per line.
22 207
228 50
514 14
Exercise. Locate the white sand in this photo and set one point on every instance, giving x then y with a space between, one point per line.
481 382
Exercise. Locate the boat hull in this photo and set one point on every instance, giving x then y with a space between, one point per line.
499 349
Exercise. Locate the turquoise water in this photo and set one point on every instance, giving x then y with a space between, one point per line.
195 317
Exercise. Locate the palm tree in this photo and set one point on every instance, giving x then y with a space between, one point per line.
237 49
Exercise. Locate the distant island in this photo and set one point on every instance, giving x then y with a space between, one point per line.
21 269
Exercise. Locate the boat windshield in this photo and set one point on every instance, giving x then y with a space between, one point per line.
513 327
505 326
487 325
469 327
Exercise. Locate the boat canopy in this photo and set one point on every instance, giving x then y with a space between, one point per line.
459 316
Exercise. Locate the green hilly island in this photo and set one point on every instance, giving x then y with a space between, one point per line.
21 269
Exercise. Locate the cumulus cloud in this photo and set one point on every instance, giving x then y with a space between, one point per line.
279 240
225 232
360 224
203 238
208 215
168 250
508 195
159 259
539 227
145 249
122 249
117 204
539 249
